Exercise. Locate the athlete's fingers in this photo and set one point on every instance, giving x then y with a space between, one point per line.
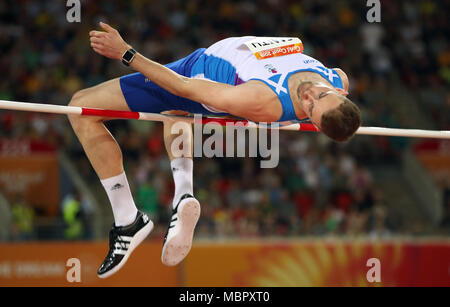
97 40
175 112
98 46
107 27
94 33
98 51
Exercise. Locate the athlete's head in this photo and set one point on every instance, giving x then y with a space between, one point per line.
328 108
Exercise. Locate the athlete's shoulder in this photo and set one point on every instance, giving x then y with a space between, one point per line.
344 78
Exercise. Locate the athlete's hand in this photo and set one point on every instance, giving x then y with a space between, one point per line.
109 43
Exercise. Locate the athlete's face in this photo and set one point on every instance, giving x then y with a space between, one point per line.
317 98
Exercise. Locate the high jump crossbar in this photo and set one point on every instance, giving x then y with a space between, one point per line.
72 110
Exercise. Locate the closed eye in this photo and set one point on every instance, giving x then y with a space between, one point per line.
321 95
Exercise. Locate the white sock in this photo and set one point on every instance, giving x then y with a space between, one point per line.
182 169
121 200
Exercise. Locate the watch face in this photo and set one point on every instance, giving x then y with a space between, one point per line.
128 56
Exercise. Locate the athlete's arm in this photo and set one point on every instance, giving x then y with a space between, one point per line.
245 100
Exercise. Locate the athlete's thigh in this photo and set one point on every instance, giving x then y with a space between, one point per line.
142 95
107 95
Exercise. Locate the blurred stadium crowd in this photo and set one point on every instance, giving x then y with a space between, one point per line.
319 187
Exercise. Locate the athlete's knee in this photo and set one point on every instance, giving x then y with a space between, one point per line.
80 123
79 99
83 98
75 101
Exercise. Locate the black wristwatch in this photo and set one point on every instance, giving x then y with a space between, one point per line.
128 56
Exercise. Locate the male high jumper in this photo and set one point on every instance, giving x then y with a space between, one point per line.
261 79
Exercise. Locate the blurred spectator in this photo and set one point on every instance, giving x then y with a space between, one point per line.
379 227
72 212
23 219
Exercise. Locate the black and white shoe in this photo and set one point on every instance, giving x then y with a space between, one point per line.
122 241
178 240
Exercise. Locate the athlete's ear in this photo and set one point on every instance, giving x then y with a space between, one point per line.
307 97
